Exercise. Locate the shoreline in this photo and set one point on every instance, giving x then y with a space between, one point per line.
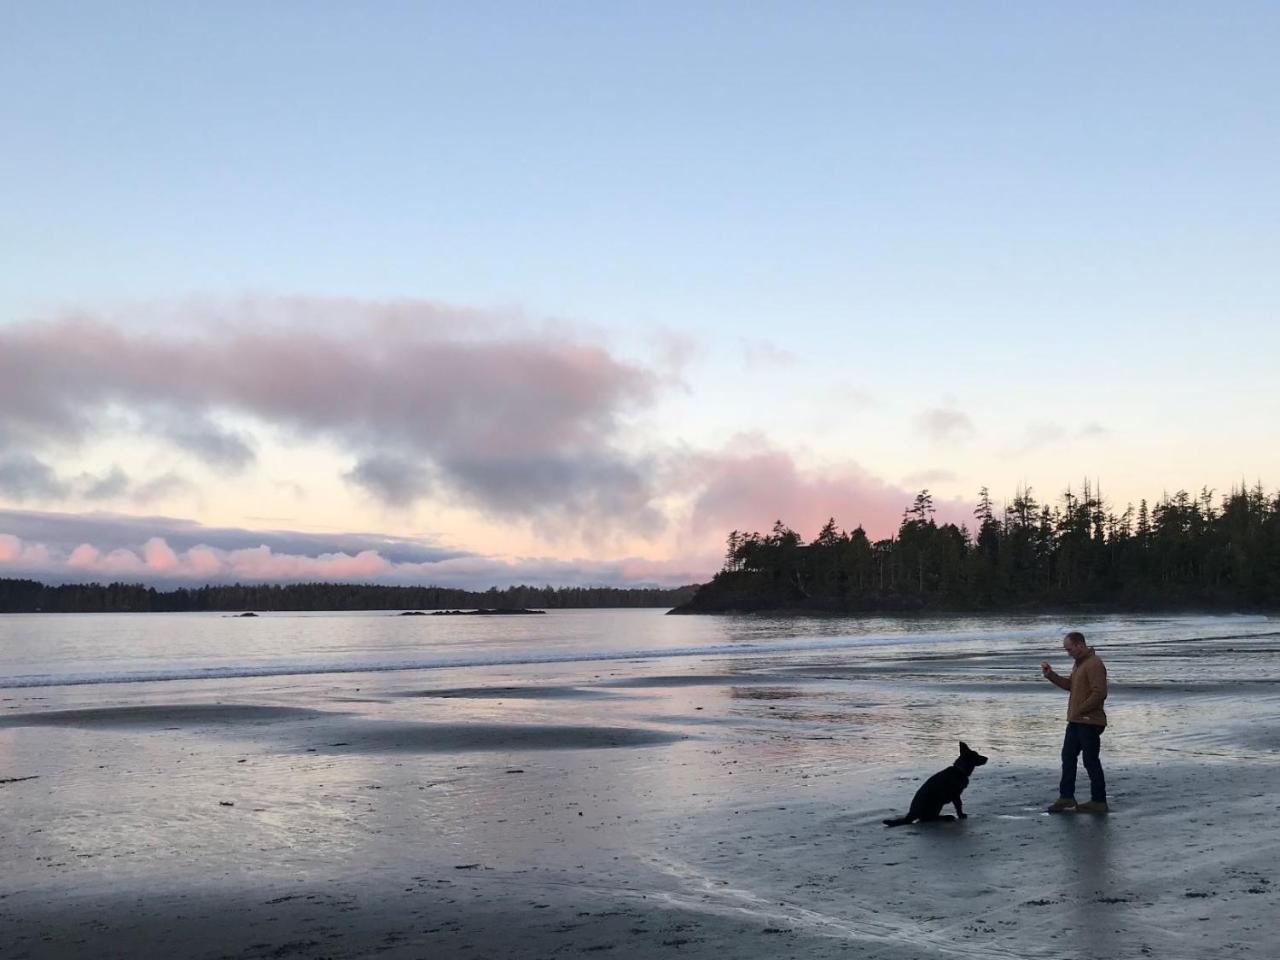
915 612
708 806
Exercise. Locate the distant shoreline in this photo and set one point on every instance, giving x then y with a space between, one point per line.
32 596
1035 610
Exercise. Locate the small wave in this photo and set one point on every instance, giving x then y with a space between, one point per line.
294 668
734 649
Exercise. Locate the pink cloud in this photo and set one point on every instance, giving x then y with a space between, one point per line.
694 568
158 557
120 563
260 563
203 563
750 484
84 557
15 551
156 562
407 383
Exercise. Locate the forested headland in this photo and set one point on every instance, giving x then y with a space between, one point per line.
1184 552
29 596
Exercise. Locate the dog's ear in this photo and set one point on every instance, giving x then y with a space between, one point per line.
964 747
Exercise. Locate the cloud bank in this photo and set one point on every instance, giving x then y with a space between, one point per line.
518 424
106 547
64 532
524 425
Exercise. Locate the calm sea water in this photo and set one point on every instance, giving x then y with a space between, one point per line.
58 649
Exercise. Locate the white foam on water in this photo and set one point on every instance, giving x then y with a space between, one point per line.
279 668
296 668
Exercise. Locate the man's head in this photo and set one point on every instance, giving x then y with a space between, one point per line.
1074 644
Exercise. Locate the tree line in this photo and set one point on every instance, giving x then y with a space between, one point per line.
28 596
1181 552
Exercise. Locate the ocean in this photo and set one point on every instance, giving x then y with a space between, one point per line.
62 649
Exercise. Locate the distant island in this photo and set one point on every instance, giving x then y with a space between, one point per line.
474 613
1186 552
30 596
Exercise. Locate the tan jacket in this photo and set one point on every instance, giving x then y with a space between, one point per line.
1088 686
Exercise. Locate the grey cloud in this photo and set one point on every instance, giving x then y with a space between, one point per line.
944 423
396 481
116 484
157 488
24 477
111 485
1044 433
404 379
216 447
581 485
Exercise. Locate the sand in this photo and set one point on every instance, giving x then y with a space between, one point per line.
728 808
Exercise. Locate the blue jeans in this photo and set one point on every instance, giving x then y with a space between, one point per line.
1083 738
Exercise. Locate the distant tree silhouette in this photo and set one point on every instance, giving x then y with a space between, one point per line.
20 596
1184 552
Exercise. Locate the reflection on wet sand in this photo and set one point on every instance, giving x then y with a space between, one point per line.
160 715
379 737
732 808
505 693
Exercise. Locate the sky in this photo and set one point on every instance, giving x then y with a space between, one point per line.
492 293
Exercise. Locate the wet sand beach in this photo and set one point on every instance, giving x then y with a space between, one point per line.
725 805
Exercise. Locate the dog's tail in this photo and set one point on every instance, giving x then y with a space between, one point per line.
898 821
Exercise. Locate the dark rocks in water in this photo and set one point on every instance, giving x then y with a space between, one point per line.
412 613
240 615
481 613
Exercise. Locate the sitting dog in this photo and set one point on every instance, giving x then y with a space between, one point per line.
942 788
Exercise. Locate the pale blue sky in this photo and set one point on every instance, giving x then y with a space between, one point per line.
1050 218
933 163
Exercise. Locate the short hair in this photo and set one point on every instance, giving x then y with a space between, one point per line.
1076 637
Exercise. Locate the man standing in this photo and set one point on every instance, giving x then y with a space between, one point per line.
1085 722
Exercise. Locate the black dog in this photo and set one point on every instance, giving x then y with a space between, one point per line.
942 788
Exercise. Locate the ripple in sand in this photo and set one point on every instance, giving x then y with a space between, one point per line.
505 693
160 715
768 693
462 737
687 680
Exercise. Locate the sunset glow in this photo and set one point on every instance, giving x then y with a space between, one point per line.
300 296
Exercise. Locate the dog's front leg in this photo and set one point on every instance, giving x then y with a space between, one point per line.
959 808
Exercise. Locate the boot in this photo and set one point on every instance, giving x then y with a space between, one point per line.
1062 804
1093 806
